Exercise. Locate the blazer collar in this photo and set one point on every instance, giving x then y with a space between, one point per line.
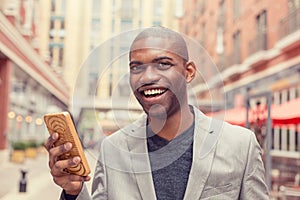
137 145
207 132
206 135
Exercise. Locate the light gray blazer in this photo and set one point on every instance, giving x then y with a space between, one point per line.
227 164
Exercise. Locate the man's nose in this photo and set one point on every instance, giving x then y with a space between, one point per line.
150 74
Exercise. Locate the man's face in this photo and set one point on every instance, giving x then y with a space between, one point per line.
157 76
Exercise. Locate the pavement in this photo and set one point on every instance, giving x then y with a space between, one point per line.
39 181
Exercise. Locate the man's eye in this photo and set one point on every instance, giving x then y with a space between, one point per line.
136 69
165 65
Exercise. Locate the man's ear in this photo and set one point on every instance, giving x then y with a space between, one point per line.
190 68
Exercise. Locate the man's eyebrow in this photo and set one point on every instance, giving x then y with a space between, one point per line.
135 63
153 61
162 58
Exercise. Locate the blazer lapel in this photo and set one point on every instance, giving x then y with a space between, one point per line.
137 144
205 139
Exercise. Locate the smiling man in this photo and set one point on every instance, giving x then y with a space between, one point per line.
174 152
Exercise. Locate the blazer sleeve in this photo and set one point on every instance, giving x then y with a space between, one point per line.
83 195
99 189
253 183
99 185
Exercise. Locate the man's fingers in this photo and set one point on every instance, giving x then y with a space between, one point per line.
55 152
49 143
58 169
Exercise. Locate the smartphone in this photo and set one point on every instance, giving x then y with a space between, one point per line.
63 124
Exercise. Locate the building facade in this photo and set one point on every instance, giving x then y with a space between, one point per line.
256 47
29 86
249 41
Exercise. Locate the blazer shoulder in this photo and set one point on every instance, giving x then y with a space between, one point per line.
237 136
131 130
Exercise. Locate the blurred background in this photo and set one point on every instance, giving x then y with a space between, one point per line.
72 55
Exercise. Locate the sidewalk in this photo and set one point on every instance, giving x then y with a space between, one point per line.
39 181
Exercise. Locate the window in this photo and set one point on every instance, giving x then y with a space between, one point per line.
56 54
126 24
93 82
156 23
96 7
237 47
261 23
222 19
53 6
293 17
61 57
95 34
203 38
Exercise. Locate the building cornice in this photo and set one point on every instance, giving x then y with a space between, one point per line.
260 75
32 64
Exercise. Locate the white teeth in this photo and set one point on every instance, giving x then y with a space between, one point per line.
153 91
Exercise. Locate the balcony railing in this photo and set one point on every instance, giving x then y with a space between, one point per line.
289 24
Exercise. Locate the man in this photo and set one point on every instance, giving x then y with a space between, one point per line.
174 151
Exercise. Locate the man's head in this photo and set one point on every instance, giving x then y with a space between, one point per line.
160 70
177 42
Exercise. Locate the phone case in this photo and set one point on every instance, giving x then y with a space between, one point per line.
63 124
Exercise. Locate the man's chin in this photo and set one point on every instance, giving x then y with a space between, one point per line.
157 111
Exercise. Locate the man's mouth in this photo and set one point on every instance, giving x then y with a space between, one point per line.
153 92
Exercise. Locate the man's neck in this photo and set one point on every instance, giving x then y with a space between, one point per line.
173 125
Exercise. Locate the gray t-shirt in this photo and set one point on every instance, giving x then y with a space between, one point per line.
171 163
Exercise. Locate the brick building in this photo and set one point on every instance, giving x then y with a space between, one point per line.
255 44
249 41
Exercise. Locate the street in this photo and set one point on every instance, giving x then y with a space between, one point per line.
39 180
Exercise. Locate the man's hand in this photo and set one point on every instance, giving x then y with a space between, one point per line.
72 184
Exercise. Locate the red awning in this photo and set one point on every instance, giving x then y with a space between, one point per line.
287 113
236 116
284 114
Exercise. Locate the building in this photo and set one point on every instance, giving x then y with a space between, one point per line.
256 47
29 87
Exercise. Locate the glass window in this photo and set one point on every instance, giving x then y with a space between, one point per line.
53 6
96 8
126 24
156 23
261 23
237 47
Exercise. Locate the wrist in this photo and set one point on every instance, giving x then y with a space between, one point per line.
73 192
69 196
